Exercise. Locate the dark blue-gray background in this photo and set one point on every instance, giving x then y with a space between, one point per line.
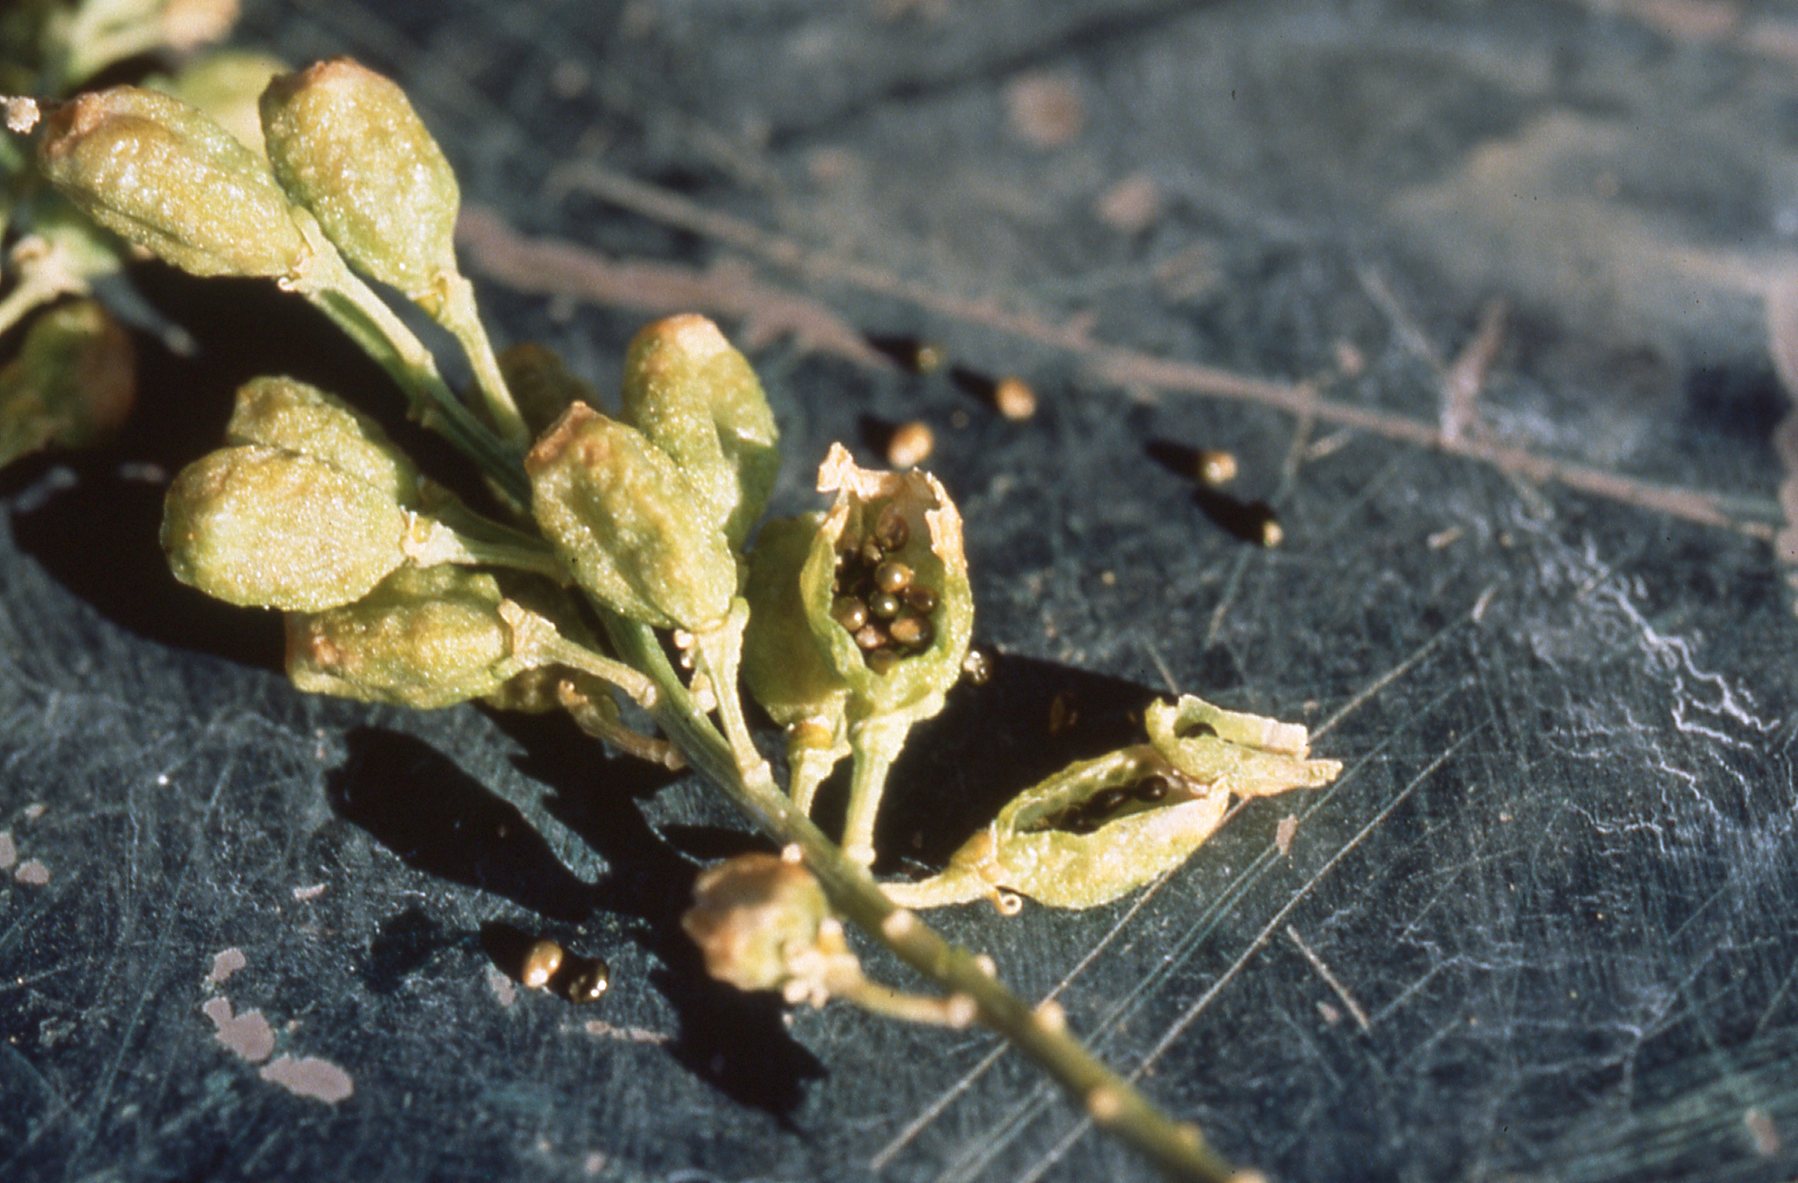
1542 928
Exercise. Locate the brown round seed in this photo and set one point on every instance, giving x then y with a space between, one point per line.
881 661
849 612
885 605
1150 789
891 530
921 599
541 962
1014 399
871 554
588 981
911 444
871 637
1106 800
977 667
892 576
910 630
1214 467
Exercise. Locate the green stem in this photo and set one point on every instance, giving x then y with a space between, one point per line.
565 652
718 654
459 315
1176 1148
354 307
873 746
32 291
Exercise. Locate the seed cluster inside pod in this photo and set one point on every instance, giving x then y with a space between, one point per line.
878 598
1108 804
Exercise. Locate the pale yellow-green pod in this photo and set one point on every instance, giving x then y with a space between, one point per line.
165 176
626 523
270 528
285 413
72 383
697 399
423 638
346 144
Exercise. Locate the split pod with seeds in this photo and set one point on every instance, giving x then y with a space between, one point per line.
1099 829
884 592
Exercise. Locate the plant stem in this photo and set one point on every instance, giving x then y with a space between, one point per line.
459 315
336 291
1178 1149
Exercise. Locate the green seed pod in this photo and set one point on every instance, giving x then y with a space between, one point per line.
72 382
784 666
163 175
758 920
1248 755
264 527
347 145
424 638
1100 829
543 386
288 414
697 399
227 86
626 523
907 518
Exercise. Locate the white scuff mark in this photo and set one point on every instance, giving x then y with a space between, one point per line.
9 851
310 892
503 988
309 1076
33 873
625 1034
248 1036
225 963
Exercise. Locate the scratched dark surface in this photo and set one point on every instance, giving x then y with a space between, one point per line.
1545 927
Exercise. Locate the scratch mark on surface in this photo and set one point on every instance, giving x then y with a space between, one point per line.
1167 675
1199 1006
1373 688
625 1034
309 1076
1330 979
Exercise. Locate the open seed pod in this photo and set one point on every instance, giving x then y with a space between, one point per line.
1099 829
885 588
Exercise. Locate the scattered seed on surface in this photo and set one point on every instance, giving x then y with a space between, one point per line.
1014 398
977 667
588 981
1214 467
541 964
911 444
